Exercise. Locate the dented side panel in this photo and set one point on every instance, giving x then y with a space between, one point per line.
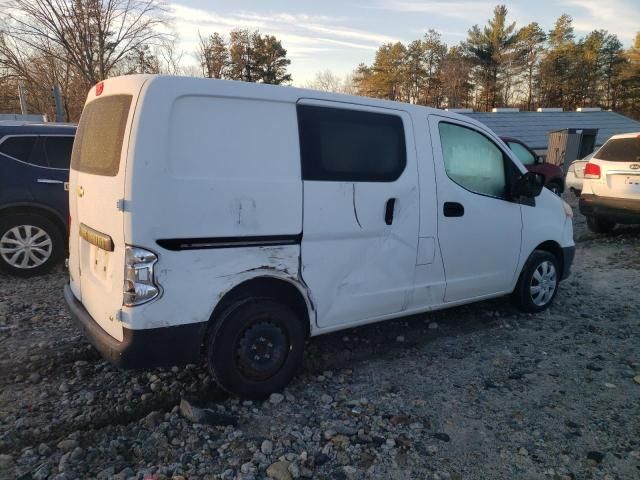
194 281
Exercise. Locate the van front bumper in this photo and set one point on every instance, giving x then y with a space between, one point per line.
148 348
619 210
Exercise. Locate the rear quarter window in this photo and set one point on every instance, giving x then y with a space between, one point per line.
58 151
100 134
620 150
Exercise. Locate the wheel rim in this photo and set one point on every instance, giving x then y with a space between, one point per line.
261 350
25 246
543 283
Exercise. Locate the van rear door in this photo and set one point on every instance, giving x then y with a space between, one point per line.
97 243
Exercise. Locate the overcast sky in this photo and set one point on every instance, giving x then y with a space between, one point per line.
340 34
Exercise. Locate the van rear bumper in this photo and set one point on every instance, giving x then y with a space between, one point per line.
619 210
148 348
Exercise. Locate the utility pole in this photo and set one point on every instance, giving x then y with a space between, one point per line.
23 99
57 103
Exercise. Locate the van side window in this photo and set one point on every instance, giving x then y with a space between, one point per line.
58 151
350 146
472 160
22 148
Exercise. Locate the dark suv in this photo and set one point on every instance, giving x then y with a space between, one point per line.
553 175
34 210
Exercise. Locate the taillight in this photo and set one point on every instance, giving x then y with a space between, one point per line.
591 170
139 282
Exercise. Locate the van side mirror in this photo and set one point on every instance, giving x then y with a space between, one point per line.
529 184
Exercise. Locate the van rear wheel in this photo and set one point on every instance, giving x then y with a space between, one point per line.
255 348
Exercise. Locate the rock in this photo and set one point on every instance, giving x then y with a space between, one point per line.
294 470
442 436
153 419
433 326
279 471
6 461
637 379
399 420
67 445
276 398
64 461
400 338
64 387
595 456
266 447
320 458
326 398
35 377
205 415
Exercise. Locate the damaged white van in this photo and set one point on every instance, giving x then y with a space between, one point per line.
229 222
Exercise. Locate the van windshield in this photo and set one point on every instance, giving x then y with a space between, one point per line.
98 143
620 150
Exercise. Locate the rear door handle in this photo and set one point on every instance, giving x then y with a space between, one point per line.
453 209
388 211
49 180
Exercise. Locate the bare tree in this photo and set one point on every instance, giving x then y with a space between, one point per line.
92 35
213 55
327 81
170 57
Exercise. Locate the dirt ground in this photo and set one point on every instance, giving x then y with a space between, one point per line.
477 392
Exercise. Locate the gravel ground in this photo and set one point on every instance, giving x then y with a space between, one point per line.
476 392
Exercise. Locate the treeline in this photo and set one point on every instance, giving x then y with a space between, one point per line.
76 43
501 65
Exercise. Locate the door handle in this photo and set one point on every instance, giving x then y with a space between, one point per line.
388 211
453 209
49 180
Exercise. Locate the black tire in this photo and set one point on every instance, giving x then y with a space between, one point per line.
556 187
600 225
524 296
250 329
40 262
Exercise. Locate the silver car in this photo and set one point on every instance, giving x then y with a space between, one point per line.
575 175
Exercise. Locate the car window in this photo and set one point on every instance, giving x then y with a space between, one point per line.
351 146
620 150
472 160
525 156
23 148
58 151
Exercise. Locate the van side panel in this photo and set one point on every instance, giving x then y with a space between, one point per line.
226 167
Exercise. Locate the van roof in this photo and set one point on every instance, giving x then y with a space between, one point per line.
234 88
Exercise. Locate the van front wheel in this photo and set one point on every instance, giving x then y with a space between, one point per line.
538 282
255 348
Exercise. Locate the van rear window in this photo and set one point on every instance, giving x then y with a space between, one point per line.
98 142
620 150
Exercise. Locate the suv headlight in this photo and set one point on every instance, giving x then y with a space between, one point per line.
139 282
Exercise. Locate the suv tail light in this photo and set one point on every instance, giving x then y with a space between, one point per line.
139 282
591 170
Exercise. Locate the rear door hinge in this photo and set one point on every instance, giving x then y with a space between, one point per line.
121 205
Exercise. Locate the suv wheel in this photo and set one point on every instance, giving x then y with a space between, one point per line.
538 282
600 225
255 348
30 244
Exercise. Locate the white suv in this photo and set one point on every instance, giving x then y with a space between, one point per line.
611 188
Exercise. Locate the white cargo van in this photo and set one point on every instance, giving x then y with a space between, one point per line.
230 221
